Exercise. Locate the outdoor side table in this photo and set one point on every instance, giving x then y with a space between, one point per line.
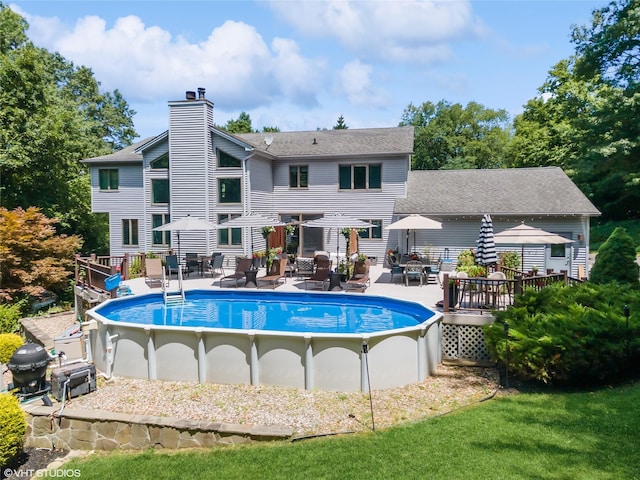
250 278
334 281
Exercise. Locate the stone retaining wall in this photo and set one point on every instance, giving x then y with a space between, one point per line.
100 430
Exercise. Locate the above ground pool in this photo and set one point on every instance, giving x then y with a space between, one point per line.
303 340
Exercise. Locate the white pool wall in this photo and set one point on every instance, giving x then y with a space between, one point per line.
333 362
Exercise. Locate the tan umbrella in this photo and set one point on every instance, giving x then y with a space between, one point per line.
414 222
337 221
186 224
252 220
525 235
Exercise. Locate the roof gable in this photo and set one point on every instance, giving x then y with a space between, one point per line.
509 191
130 154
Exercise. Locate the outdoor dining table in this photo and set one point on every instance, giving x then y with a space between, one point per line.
202 261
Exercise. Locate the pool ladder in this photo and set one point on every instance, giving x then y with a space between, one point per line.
172 297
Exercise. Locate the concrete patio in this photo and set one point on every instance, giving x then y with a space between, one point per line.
380 284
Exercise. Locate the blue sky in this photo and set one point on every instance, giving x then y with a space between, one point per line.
298 65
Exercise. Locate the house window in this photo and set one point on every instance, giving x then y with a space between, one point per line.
372 232
162 162
160 191
129 231
360 177
229 190
108 178
160 238
228 236
228 161
558 250
298 176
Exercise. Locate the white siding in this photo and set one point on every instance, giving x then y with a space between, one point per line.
190 156
462 233
323 196
126 202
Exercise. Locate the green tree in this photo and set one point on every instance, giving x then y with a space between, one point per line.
34 258
452 136
340 125
241 125
52 115
588 125
616 260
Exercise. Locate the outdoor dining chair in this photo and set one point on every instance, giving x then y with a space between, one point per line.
216 265
171 263
413 270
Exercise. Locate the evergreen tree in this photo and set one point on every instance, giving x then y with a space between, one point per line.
341 125
616 260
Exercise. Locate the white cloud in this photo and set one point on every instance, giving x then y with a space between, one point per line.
356 84
146 63
399 31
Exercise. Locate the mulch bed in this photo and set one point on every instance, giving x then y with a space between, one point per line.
29 461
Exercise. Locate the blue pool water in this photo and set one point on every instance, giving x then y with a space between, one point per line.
273 311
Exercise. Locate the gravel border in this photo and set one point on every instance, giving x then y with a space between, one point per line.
308 412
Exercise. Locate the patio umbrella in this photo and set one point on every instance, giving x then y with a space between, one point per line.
525 235
186 224
486 252
337 221
253 220
414 222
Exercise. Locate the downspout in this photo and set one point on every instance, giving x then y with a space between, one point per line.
246 182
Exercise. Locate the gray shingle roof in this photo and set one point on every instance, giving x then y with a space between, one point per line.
369 141
511 191
126 155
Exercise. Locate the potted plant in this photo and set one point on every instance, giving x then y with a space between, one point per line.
258 258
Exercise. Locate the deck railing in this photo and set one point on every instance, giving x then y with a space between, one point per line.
480 293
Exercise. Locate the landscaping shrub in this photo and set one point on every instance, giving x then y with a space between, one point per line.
510 259
13 427
616 260
10 314
9 343
572 335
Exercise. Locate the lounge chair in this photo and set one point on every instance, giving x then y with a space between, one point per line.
278 273
360 279
321 276
154 276
242 266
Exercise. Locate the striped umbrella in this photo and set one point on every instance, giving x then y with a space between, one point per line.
486 253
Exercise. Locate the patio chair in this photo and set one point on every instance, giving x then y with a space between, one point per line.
192 264
394 266
216 265
304 266
279 269
360 279
320 277
171 263
242 265
154 276
413 270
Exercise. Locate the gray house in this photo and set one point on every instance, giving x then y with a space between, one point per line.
542 197
196 169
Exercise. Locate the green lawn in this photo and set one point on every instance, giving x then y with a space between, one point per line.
587 435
